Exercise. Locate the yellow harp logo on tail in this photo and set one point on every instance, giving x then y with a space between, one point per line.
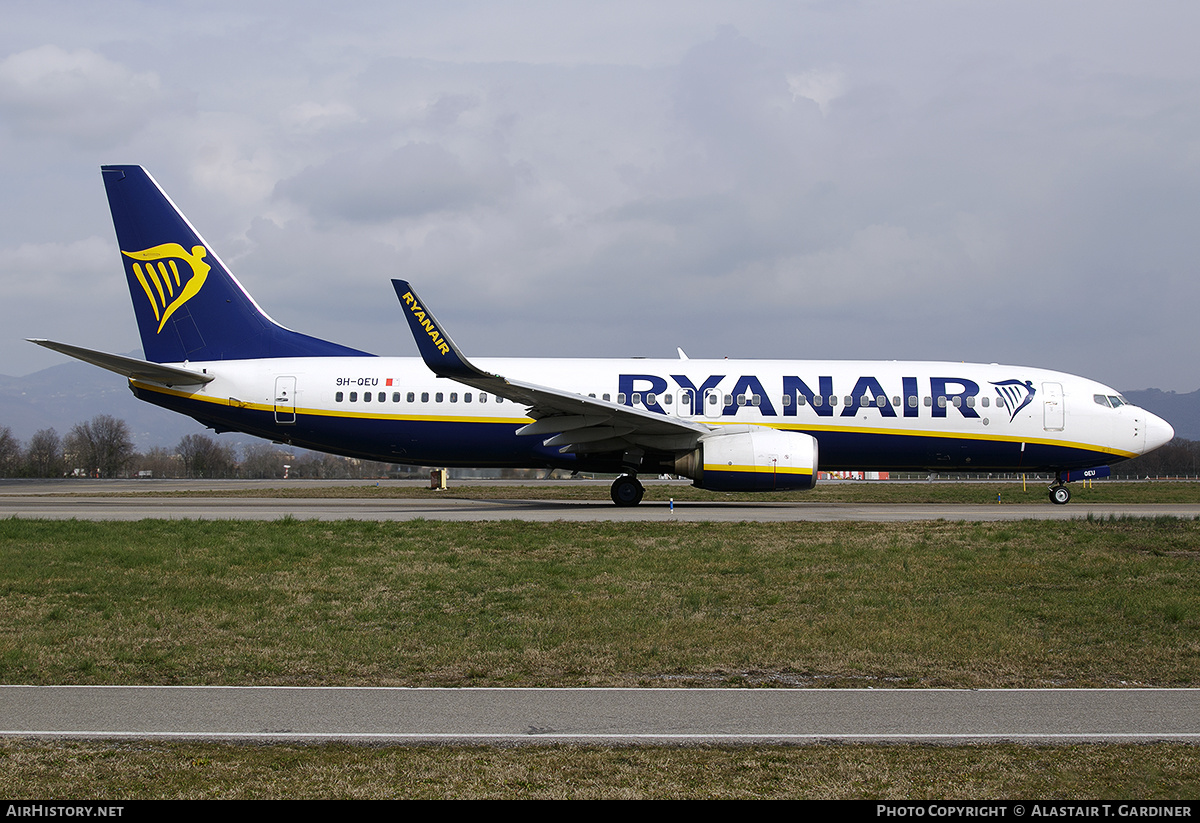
160 277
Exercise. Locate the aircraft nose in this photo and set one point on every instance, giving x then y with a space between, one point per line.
1158 432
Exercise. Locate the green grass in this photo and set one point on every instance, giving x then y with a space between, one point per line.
157 770
1073 603
1089 602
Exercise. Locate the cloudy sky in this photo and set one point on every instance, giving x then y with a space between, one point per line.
930 179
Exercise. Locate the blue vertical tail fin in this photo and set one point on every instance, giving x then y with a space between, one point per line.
188 305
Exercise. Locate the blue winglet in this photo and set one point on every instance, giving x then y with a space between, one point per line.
437 349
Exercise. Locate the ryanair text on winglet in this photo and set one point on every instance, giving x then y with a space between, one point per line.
419 313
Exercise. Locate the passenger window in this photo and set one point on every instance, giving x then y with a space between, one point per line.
957 402
411 397
424 397
338 397
650 398
437 398
667 400
833 399
482 397
755 400
941 402
466 397
353 397
800 400
741 401
881 401
383 397
816 401
928 401
366 397
621 399
608 398
453 397
985 401
395 397
637 397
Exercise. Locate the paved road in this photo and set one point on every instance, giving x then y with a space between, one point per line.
137 508
65 499
603 716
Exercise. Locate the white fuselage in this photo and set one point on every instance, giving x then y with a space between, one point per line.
865 414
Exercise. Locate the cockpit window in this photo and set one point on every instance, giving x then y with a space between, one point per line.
1118 401
1101 399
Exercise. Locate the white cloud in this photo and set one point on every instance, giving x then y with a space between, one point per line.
79 96
822 86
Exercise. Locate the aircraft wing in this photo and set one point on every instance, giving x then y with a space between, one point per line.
130 366
579 423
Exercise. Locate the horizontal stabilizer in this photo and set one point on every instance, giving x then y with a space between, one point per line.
129 366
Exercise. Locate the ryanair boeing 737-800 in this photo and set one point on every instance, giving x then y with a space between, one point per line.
749 425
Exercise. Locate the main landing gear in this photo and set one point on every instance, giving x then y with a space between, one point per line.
1059 493
627 490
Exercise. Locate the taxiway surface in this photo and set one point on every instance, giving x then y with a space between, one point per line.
602 716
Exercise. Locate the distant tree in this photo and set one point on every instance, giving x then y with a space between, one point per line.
262 461
100 446
1179 457
204 457
320 466
159 461
10 453
44 458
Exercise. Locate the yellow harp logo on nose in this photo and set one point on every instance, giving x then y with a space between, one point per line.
160 277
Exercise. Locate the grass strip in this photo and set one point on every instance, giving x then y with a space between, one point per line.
930 604
178 771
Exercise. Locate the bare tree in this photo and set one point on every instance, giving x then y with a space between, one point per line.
45 455
10 453
204 457
262 460
159 461
100 446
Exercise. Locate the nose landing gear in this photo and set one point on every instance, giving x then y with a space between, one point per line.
1060 494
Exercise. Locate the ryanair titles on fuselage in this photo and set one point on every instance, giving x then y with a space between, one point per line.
937 394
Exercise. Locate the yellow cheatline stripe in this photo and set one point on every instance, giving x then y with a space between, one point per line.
992 438
268 407
756 469
519 421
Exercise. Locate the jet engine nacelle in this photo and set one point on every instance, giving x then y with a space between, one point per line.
752 458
